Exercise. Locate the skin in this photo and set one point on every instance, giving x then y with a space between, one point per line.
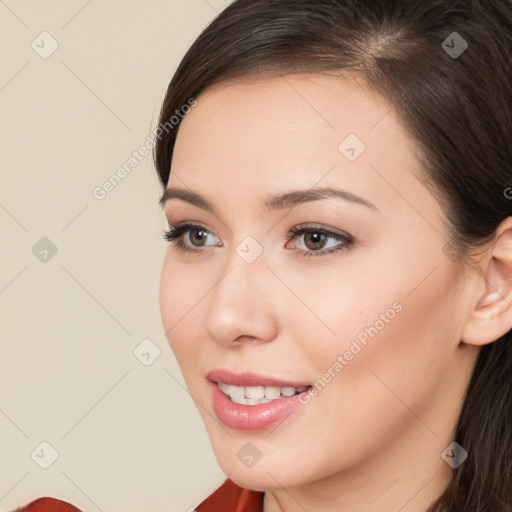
372 438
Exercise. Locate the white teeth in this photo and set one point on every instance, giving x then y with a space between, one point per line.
288 391
255 392
253 395
272 392
235 392
223 386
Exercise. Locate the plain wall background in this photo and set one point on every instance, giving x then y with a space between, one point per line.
128 436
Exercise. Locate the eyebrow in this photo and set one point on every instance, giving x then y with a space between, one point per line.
272 203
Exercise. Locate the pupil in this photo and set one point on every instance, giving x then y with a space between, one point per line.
201 235
317 239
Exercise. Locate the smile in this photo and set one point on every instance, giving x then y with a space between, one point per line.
254 395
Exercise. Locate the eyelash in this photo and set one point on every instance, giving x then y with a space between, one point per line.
175 236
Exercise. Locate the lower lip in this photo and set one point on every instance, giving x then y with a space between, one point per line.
252 417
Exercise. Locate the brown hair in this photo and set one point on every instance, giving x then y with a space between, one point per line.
455 102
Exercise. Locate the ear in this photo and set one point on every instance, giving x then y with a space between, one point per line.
491 316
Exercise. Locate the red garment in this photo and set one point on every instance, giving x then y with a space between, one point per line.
229 497
48 505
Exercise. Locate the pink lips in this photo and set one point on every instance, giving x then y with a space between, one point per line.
251 417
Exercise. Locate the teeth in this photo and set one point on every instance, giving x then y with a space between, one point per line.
288 391
224 387
235 392
272 392
253 395
255 392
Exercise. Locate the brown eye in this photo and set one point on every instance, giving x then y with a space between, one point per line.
317 241
199 235
314 240
187 236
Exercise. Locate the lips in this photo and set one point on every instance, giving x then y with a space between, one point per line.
252 417
246 379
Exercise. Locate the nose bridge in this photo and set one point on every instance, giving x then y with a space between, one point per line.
241 303
245 268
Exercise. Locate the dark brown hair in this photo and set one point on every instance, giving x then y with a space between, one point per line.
457 108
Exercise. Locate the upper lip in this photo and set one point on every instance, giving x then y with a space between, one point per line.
249 379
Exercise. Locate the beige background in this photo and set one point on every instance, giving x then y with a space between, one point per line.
128 436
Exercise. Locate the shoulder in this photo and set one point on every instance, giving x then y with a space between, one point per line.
47 504
230 497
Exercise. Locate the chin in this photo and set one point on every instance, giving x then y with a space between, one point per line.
260 481
263 476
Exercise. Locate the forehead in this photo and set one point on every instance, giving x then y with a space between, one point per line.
293 107
268 134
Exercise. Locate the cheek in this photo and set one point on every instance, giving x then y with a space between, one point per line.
397 329
342 314
179 296
388 342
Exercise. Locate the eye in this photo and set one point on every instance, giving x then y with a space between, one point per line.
197 236
316 238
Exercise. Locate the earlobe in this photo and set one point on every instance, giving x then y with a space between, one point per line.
491 317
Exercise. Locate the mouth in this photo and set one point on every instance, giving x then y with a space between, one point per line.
251 389
247 401
254 395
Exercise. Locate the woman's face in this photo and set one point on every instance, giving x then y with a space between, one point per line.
363 301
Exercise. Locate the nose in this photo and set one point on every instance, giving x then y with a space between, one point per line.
242 306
